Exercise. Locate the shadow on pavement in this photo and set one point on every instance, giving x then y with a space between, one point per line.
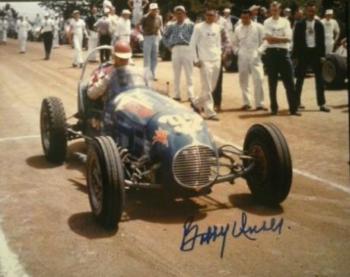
40 162
84 224
245 202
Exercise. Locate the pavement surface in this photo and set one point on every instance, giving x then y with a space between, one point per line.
47 229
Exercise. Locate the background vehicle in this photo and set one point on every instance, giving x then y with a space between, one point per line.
138 138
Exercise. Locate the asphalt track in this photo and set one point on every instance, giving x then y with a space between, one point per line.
46 228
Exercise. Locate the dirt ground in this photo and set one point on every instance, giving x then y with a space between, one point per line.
49 230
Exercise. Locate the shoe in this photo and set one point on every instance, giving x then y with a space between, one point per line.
81 65
155 79
74 65
325 109
178 99
261 108
301 107
213 117
296 113
274 112
217 108
195 108
245 107
46 58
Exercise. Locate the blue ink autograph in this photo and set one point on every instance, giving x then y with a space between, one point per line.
191 234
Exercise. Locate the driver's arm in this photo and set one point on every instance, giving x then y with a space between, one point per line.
98 86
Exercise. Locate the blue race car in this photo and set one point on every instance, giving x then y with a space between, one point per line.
138 138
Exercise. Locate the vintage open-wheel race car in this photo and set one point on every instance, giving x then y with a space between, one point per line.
147 140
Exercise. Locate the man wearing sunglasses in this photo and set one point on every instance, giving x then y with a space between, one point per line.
206 50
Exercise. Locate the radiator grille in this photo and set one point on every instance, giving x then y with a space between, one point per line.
195 166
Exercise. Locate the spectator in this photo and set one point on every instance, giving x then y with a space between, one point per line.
113 23
104 36
137 7
47 28
91 30
309 50
206 50
278 35
123 30
151 25
332 31
177 37
230 19
254 11
78 29
248 38
226 48
298 16
4 25
56 32
22 28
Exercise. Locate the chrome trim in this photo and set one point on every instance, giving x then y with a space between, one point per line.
186 169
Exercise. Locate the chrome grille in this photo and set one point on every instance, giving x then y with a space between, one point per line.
195 166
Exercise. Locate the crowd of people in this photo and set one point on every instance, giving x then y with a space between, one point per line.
259 34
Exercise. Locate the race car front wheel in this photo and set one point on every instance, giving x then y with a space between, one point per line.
53 129
271 177
105 181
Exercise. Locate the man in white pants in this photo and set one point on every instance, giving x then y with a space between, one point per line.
56 38
332 30
206 50
247 39
3 30
93 36
177 37
123 29
78 30
23 28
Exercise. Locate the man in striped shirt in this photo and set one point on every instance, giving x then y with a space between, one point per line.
177 37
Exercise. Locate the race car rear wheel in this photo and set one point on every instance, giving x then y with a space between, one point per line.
334 71
271 178
53 129
105 181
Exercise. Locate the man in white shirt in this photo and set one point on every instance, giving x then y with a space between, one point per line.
278 35
332 31
47 28
206 50
113 20
137 7
78 29
309 50
177 37
22 28
123 30
248 37
4 25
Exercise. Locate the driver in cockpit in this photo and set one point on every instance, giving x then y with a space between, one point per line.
112 79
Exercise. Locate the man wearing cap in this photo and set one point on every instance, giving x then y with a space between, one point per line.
137 7
152 25
177 37
104 35
254 11
309 50
93 37
78 29
231 20
22 28
332 30
278 35
123 30
248 38
102 78
206 50
47 29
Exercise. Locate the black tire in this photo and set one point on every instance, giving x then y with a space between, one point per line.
334 71
230 63
53 130
271 178
104 165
